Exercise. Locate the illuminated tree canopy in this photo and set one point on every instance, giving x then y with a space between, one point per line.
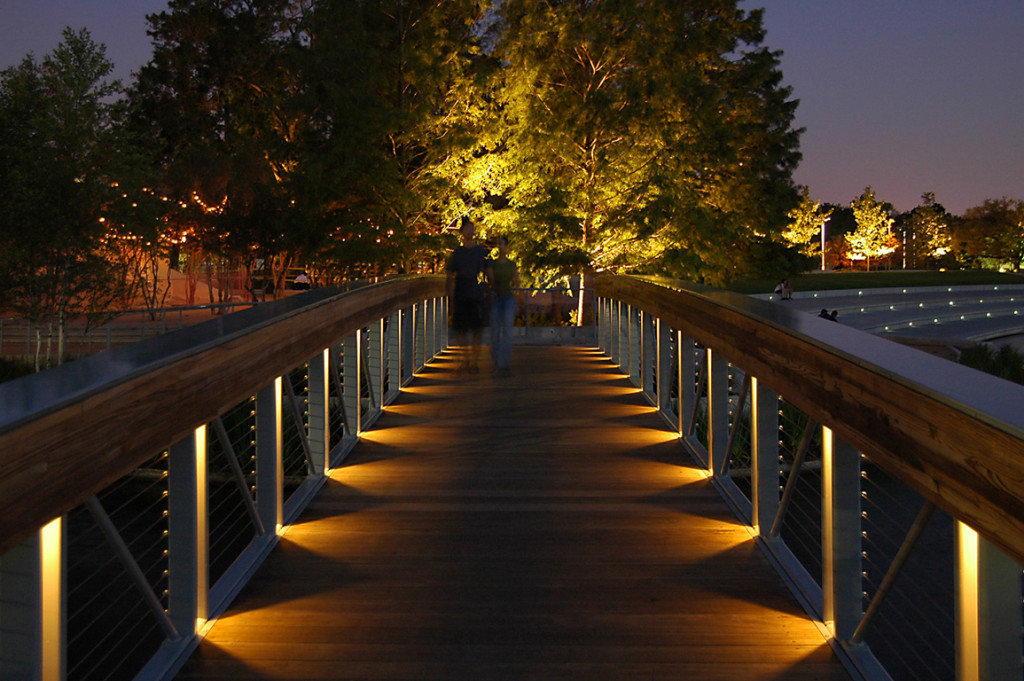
806 223
873 237
642 137
347 136
930 228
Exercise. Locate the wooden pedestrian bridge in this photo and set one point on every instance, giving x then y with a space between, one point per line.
716 487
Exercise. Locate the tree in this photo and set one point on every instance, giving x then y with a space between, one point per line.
57 143
873 236
219 94
398 96
928 231
807 223
647 136
993 231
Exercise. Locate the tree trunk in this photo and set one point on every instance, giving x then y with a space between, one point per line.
62 335
39 350
209 285
579 306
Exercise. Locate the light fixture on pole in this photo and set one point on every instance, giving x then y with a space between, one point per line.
823 223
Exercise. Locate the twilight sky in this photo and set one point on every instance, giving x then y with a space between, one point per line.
907 96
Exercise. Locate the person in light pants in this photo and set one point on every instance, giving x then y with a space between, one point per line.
504 281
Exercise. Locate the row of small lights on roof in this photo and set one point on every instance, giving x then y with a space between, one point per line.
948 290
935 320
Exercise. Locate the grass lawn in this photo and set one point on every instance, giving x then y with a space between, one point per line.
830 281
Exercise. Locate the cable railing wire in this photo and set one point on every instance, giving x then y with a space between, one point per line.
109 629
914 638
231 526
801 526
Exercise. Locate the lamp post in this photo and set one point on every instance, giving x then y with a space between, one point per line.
823 223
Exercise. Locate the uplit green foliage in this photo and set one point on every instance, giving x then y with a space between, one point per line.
930 236
873 236
349 134
648 136
806 224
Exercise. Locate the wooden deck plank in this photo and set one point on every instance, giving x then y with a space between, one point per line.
539 526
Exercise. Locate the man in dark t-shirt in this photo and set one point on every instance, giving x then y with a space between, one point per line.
468 270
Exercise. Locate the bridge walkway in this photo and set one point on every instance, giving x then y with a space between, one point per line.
544 525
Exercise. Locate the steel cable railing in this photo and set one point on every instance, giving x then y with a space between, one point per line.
109 630
913 632
296 453
231 486
738 448
84 337
800 458
142 578
339 420
837 518
807 462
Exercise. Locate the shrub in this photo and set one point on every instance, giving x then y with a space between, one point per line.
1004 362
13 368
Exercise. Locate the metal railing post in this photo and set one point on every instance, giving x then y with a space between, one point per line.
988 610
394 364
603 337
269 453
663 336
764 421
419 317
648 354
634 346
318 391
375 364
443 322
841 586
616 333
686 363
428 330
352 385
408 338
33 606
187 534
718 410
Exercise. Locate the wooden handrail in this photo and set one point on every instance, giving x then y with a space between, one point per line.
67 433
953 434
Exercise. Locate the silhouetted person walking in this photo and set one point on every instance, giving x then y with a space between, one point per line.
468 270
504 281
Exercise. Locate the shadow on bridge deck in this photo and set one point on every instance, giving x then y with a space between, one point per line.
538 526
